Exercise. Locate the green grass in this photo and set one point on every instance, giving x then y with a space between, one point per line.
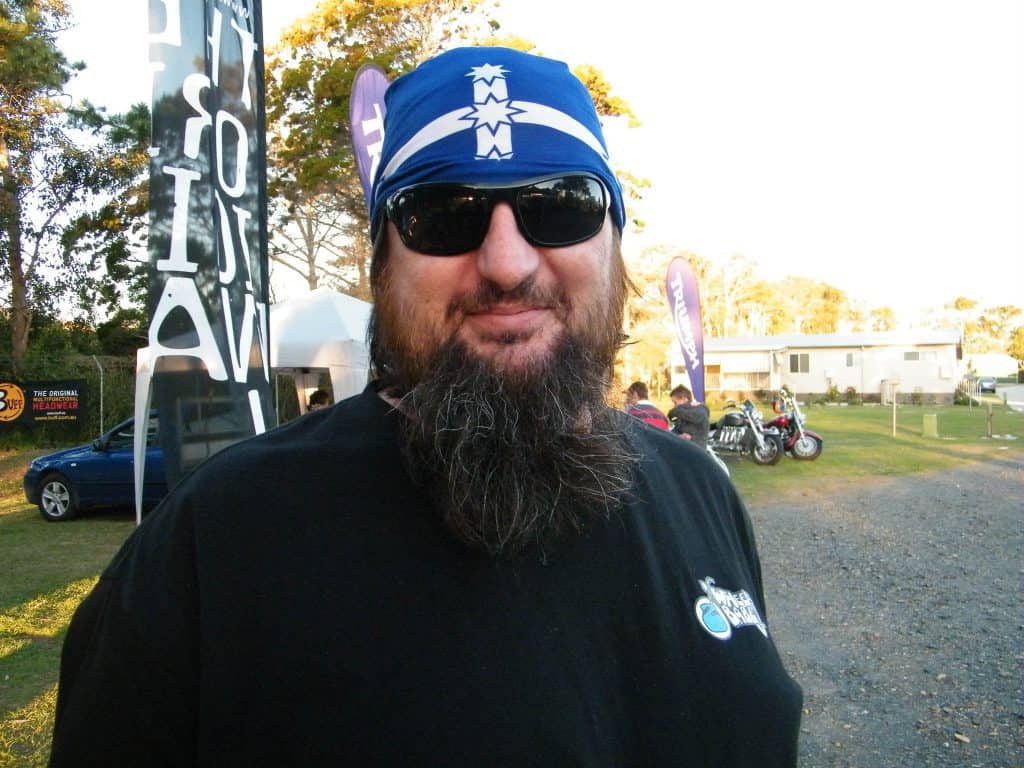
46 568
860 445
45 571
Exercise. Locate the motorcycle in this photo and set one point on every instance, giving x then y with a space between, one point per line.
800 443
743 431
718 460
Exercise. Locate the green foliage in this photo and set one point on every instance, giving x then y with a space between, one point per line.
833 396
961 396
105 242
852 396
124 333
319 225
63 169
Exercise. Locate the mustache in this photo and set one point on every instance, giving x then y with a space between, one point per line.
489 294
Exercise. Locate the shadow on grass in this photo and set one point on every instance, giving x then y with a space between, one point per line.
31 638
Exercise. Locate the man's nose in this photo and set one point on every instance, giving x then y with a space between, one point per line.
505 257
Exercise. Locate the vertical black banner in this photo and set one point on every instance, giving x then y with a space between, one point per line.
208 334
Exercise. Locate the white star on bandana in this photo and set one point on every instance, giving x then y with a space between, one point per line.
493 113
487 72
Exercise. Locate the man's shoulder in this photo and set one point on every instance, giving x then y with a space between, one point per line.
341 439
666 454
305 468
351 424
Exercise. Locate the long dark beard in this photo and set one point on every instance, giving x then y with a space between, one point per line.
520 457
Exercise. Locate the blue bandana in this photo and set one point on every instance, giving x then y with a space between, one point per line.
490 115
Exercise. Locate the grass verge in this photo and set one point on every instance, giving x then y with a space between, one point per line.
860 445
45 571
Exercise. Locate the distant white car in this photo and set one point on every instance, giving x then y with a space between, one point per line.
987 384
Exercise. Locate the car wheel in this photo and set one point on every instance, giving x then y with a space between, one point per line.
57 498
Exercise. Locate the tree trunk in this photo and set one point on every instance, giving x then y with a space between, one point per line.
10 220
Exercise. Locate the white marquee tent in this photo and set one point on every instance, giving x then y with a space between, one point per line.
322 331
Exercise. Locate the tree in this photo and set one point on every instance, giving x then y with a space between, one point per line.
996 324
318 216
32 73
104 244
826 304
1016 346
319 227
646 323
883 319
985 329
61 170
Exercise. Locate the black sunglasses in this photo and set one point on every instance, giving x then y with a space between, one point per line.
445 219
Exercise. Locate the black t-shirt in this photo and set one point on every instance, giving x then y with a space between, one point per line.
296 602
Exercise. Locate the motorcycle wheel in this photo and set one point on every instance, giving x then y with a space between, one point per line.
771 453
807 448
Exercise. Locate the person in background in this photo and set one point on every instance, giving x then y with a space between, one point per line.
689 419
638 405
477 561
319 399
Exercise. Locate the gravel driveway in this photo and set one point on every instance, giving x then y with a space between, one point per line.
899 608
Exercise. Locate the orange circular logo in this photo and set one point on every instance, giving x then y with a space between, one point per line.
12 401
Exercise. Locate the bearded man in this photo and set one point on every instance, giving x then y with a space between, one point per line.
476 562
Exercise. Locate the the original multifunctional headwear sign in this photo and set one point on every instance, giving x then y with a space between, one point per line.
39 402
208 333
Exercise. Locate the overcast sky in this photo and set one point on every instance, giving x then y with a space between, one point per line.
877 145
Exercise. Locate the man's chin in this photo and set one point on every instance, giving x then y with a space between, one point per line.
514 441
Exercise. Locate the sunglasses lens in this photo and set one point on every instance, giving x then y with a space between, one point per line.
562 211
440 220
449 219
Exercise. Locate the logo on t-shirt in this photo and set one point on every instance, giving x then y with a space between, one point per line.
721 610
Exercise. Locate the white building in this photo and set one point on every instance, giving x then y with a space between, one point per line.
914 364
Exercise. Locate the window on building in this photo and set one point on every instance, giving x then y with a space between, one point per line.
911 356
849 359
800 363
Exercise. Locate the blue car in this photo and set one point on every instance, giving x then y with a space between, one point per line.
100 474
